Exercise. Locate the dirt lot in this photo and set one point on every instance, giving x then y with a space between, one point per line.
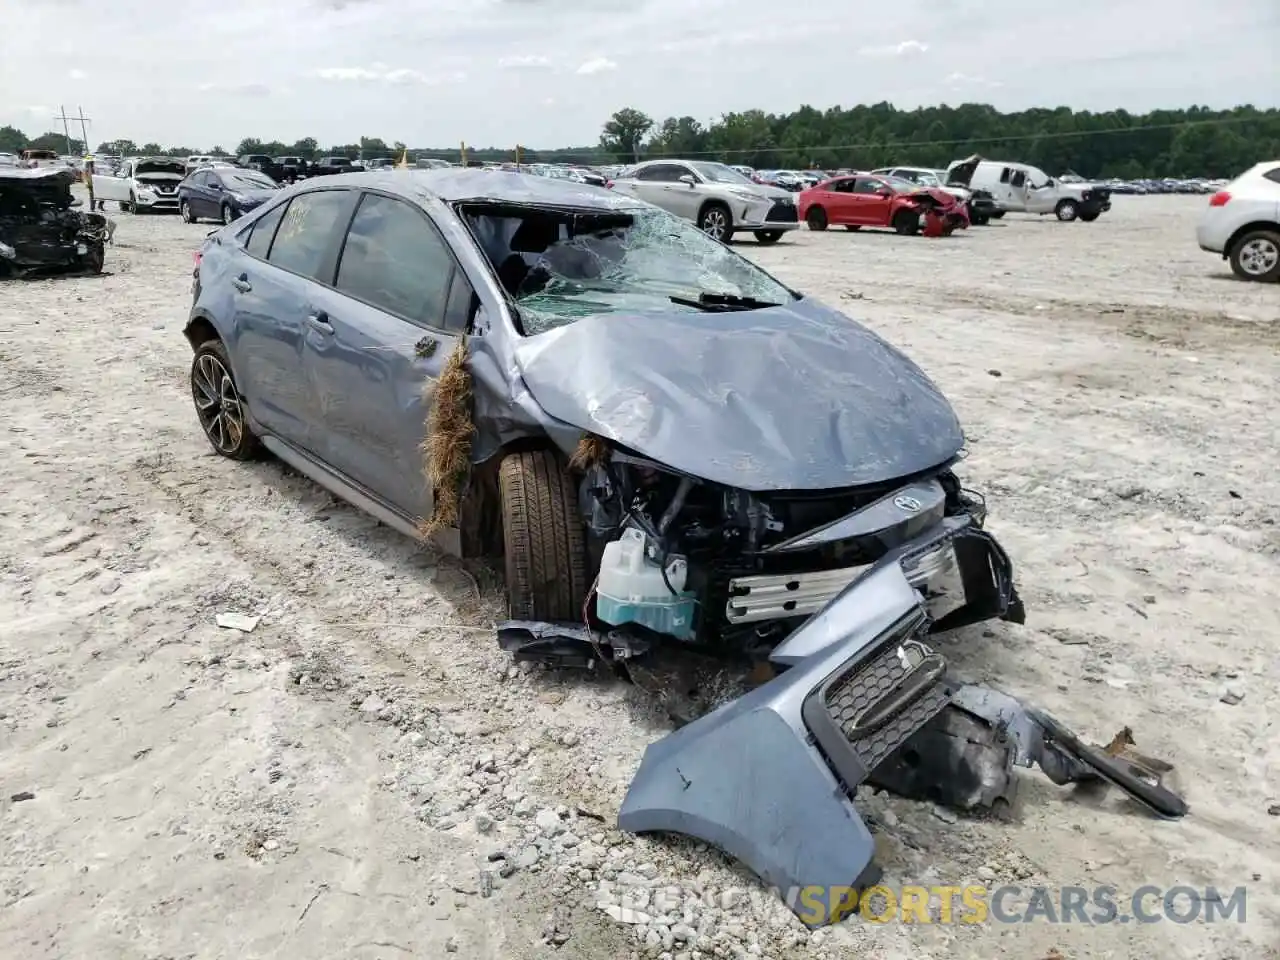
334 783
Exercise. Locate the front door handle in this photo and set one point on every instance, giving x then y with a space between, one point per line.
242 283
320 320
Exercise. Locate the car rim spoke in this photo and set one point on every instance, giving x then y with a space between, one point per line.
217 404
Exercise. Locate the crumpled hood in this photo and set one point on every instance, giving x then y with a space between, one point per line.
797 397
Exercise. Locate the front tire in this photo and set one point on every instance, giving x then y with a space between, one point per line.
228 215
716 222
543 542
1256 256
997 215
219 406
816 218
93 261
853 227
1091 216
766 237
906 223
978 219
130 205
1066 210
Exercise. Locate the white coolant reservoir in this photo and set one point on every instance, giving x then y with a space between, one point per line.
631 588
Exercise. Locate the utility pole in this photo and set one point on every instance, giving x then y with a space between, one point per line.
66 130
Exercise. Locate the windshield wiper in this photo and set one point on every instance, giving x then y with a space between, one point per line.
723 302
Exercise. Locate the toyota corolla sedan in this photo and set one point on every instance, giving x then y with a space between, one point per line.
643 423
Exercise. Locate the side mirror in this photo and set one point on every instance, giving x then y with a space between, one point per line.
885 191
688 178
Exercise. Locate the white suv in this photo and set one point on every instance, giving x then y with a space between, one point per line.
1242 223
719 199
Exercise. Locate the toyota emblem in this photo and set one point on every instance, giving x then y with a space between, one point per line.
907 504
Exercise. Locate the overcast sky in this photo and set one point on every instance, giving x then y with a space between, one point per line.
549 72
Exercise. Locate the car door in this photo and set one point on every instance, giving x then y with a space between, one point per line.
113 187
651 183
398 306
680 197
197 194
868 207
836 198
288 253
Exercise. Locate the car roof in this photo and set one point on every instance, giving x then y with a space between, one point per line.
459 184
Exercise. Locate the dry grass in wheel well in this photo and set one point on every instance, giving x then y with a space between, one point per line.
446 448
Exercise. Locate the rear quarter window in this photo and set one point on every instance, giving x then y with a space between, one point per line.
307 232
263 230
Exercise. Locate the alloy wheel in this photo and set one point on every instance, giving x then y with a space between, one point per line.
715 223
1259 256
217 404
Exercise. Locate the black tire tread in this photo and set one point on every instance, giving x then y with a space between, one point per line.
543 541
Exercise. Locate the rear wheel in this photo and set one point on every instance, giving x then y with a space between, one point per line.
228 215
978 219
219 407
184 208
906 222
542 538
768 236
816 218
1256 256
997 215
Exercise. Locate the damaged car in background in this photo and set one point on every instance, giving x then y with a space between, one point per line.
870 200
672 451
42 228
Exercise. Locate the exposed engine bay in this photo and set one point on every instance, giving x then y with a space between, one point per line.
722 567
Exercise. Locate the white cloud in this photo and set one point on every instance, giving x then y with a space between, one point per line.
597 65
380 73
237 89
525 62
904 49
77 75
965 80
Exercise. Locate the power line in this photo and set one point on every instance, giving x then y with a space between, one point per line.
1056 135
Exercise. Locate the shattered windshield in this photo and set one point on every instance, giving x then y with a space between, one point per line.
559 266
718 172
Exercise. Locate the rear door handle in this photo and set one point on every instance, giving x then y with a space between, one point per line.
242 283
320 320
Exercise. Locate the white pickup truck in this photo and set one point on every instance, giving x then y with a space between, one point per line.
147 183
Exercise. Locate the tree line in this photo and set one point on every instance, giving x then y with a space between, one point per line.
1195 141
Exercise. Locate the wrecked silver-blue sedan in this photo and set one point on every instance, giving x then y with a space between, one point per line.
667 445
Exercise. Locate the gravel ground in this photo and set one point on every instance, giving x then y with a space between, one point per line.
365 775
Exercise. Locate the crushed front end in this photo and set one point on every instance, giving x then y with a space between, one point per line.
736 570
41 230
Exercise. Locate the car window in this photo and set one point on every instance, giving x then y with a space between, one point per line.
1273 174
662 172
1004 175
1018 178
263 230
865 185
306 232
395 260
841 186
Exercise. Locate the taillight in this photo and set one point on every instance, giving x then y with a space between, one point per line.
1219 199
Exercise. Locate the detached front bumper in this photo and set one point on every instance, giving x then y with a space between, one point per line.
769 778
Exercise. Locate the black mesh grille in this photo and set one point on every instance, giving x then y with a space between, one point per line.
867 684
783 212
